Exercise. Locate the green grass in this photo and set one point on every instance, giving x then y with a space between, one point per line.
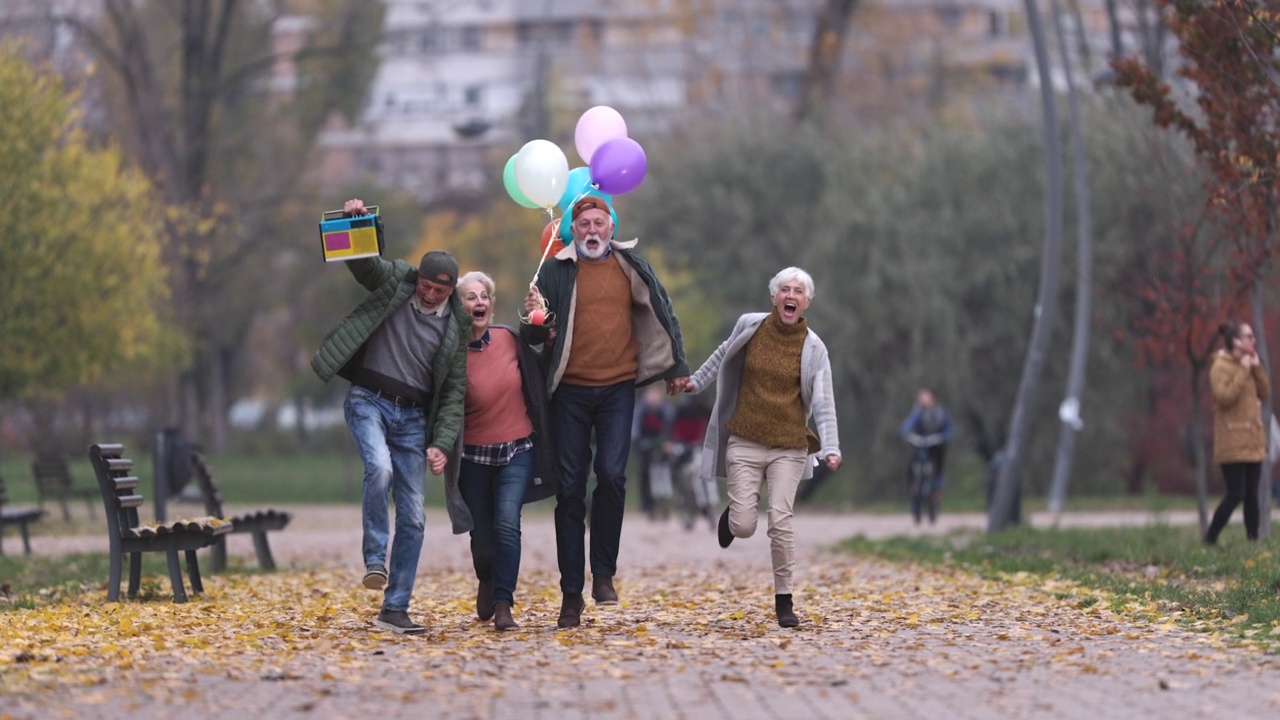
34 581
244 478
1233 587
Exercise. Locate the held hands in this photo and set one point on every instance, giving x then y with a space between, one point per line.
833 462
675 386
436 460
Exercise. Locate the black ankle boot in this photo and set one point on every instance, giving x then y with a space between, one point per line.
725 536
786 615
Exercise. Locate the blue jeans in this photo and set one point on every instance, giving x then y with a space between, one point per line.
494 494
575 412
392 443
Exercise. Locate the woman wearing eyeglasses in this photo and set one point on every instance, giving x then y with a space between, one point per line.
1239 385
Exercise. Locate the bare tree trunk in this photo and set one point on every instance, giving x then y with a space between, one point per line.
1117 40
1260 333
1001 510
824 57
1197 446
219 432
1070 411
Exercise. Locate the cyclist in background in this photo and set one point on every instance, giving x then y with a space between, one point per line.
928 425
650 437
696 494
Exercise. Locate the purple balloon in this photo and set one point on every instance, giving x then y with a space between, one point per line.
618 166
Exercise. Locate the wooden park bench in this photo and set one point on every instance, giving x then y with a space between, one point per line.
22 517
120 497
257 523
54 482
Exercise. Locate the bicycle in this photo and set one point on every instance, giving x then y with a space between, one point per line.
923 479
695 496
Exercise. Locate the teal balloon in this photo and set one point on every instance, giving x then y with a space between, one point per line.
513 189
578 184
566 229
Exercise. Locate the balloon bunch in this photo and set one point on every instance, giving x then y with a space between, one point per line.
538 176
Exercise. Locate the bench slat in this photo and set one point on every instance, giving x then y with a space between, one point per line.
129 501
126 483
119 464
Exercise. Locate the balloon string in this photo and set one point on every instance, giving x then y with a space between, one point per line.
545 252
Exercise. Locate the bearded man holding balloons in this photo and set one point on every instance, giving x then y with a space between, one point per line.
613 330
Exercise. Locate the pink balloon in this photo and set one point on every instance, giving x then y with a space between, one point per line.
618 166
597 126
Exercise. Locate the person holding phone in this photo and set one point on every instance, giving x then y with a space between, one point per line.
1239 385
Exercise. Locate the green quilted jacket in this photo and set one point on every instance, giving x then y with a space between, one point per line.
390 285
661 348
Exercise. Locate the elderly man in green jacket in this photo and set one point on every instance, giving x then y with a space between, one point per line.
615 331
404 350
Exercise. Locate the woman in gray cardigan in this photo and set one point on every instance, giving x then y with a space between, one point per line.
773 378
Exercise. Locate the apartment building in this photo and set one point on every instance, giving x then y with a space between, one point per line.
462 85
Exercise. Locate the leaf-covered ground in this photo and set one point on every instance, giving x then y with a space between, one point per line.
694 637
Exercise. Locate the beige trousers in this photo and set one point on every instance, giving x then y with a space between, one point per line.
750 464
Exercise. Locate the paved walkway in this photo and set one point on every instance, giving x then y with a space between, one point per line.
694 638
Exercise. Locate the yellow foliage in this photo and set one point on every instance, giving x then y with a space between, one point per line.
84 285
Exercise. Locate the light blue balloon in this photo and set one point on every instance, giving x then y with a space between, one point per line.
578 184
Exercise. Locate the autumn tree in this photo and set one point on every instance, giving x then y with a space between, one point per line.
220 101
1230 52
81 257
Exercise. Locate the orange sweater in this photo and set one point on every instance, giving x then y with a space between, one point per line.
495 409
604 348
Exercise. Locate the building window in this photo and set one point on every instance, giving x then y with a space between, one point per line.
429 41
470 37
999 23
949 16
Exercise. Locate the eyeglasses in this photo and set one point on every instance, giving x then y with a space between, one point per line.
1246 336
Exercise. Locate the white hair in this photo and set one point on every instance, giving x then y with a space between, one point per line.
791 273
483 279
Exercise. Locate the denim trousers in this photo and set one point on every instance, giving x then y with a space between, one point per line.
494 494
392 444
576 412
750 465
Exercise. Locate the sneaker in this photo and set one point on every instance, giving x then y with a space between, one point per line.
398 622
375 577
726 536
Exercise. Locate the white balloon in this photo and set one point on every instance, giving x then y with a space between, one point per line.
542 172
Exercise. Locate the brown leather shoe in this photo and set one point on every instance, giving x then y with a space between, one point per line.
571 611
502 619
484 600
602 590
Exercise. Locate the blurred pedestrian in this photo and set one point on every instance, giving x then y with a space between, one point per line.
773 376
651 427
505 446
1239 385
404 351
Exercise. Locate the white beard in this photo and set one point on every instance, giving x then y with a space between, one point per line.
598 253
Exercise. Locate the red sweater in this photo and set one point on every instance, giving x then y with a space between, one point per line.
495 409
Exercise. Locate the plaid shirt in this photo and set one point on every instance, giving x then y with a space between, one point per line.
499 454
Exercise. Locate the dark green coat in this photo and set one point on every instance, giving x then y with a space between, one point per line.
391 284
660 346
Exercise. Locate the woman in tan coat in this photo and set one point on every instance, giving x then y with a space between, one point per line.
1239 385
